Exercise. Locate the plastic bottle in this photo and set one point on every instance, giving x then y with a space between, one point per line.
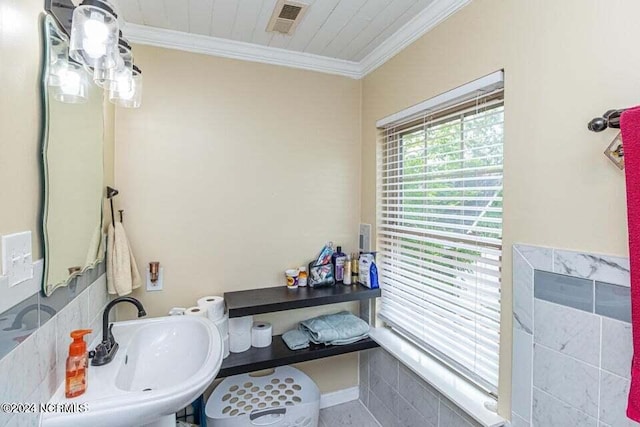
302 276
347 271
338 259
354 268
77 364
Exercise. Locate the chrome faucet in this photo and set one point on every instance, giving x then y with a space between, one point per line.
107 349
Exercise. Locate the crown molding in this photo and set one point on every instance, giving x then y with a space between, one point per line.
226 48
427 19
423 22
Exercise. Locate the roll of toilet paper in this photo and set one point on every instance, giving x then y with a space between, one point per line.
240 334
261 334
225 346
195 311
213 305
223 325
240 325
239 343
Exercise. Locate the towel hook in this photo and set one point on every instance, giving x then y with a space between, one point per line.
111 193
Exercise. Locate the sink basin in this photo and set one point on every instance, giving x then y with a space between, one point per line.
163 364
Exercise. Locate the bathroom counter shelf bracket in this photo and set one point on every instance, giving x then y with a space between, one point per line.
268 300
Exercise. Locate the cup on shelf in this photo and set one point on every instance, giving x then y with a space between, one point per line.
292 278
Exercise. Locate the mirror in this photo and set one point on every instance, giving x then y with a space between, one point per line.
72 163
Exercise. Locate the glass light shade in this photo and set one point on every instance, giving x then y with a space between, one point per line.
58 61
127 90
94 35
106 78
74 85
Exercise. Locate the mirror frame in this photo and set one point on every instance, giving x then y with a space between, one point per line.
49 19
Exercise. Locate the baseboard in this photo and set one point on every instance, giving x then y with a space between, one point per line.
340 396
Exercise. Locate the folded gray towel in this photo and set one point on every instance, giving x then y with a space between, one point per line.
295 339
335 329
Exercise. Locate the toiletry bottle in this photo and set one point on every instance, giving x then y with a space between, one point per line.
338 259
347 271
302 277
354 268
77 365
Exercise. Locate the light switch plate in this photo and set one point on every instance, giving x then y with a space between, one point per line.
17 264
365 238
151 287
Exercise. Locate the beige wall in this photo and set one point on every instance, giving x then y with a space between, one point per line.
232 172
20 51
565 62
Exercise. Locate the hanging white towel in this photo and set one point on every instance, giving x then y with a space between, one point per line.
122 271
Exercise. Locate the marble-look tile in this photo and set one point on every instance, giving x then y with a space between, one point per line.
384 365
517 421
451 416
521 373
31 367
567 330
363 366
363 374
24 420
27 419
419 395
613 301
408 416
96 334
614 391
17 323
568 379
617 347
564 290
522 293
348 414
10 390
551 412
381 413
61 297
45 345
383 391
538 257
363 393
98 296
20 375
102 268
604 268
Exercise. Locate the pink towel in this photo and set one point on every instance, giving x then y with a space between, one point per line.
630 126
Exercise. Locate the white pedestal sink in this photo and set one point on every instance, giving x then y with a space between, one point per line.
163 364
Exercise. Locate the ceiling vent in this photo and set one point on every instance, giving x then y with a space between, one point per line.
286 16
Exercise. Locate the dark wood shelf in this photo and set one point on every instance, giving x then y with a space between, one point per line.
278 354
279 298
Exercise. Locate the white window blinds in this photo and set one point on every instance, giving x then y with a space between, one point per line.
440 229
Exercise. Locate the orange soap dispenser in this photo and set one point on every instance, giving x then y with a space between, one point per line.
77 365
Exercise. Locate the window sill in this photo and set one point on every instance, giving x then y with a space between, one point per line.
457 389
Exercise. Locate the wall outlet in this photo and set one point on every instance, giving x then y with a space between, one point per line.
157 286
17 264
365 238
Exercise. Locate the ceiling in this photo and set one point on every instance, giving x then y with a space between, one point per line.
346 31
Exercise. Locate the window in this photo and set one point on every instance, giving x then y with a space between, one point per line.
440 229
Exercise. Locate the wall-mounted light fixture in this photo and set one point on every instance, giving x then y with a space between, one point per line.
97 45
